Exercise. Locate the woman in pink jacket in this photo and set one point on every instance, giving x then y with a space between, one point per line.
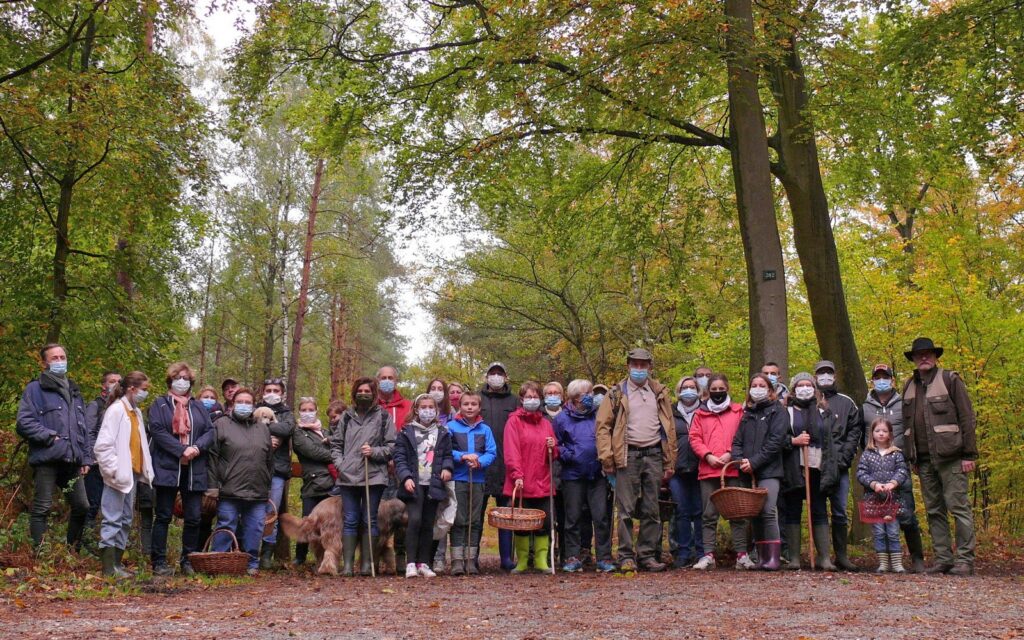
528 438
711 434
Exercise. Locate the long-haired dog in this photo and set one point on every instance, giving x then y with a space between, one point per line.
321 529
265 415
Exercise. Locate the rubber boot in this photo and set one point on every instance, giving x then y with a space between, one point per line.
883 562
505 546
267 557
793 532
119 564
522 547
771 553
916 548
107 558
473 561
365 544
541 547
301 551
840 538
458 561
439 557
821 543
896 562
348 552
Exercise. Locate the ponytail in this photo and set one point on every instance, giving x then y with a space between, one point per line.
134 379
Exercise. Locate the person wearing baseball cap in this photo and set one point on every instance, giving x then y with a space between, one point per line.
941 443
884 401
636 442
497 402
848 438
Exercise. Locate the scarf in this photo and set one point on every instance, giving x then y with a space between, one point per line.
688 411
181 423
426 440
315 427
713 407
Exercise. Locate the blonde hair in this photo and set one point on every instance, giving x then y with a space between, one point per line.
871 433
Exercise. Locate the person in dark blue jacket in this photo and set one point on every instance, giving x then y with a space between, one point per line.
93 419
684 485
583 484
51 418
473 450
180 438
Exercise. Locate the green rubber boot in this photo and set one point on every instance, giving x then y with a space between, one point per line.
522 547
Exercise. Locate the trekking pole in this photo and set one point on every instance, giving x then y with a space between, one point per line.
469 518
807 494
551 506
369 519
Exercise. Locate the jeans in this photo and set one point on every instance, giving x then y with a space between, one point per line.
117 509
791 503
766 524
887 536
94 491
944 489
353 508
244 518
636 491
191 504
689 510
581 496
47 478
419 533
709 520
466 514
838 500
277 484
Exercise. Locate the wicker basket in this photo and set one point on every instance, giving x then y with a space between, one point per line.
516 518
271 519
739 503
232 563
875 511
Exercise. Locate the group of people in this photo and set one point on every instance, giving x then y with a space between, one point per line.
589 456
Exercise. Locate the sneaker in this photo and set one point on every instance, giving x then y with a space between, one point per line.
744 563
603 566
163 570
573 565
410 570
252 572
628 566
424 571
706 563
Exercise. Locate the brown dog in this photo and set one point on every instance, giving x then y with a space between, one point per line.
321 529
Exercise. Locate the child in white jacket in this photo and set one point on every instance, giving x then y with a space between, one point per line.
122 454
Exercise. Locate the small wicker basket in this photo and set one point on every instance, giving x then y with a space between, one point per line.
271 519
232 563
878 511
739 503
516 518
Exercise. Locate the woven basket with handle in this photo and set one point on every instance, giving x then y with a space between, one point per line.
516 518
232 563
739 503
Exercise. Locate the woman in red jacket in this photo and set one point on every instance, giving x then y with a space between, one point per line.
711 435
528 438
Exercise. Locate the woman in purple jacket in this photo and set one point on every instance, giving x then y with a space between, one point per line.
583 484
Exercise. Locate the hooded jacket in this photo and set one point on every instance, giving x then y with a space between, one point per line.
314 455
526 453
848 429
375 428
476 438
495 408
283 430
397 407
577 444
241 459
407 462
760 438
893 410
52 421
713 433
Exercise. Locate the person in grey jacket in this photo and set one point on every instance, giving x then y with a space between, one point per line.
313 448
241 465
884 401
361 447
281 431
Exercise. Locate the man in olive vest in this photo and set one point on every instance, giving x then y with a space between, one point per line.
940 442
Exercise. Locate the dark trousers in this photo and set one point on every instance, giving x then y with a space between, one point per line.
191 505
419 533
308 504
467 513
353 508
689 512
94 491
48 477
544 504
791 503
636 490
582 497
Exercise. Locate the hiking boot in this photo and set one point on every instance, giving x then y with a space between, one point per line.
744 563
163 570
938 568
651 565
706 563
573 565
458 561
962 569
627 566
472 561
187 569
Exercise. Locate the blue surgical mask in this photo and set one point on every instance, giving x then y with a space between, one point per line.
553 401
59 367
773 378
638 376
208 403
598 399
883 385
587 402
689 396
531 404
387 386
243 410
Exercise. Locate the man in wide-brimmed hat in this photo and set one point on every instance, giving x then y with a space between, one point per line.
940 443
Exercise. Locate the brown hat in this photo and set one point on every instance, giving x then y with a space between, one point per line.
639 354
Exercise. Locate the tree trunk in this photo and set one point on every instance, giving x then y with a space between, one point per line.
338 339
751 168
60 257
307 259
206 316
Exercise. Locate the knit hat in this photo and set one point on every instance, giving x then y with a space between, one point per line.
800 377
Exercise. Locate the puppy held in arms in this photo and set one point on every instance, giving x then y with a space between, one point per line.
321 529
265 415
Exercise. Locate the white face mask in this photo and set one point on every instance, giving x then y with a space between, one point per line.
272 398
307 417
531 404
826 380
141 395
180 386
438 396
495 381
804 392
758 393
427 415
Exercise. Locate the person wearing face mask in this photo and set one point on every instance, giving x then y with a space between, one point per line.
884 401
181 434
554 397
51 418
362 444
497 402
390 397
711 435
423 464
529 437
282 430
313 449
124 462
94 411
636 441
702 375
584 487
685 488
808 443
758 445
473 450
846 439
208 398
438 390
774 373
241 468
941 444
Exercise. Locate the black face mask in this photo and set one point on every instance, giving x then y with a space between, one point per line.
718 397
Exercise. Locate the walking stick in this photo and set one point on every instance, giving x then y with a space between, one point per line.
807 495
369 519
469 518
551 506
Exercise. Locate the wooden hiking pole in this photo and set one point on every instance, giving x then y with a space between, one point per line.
369 520
469 518
551 506
807 495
